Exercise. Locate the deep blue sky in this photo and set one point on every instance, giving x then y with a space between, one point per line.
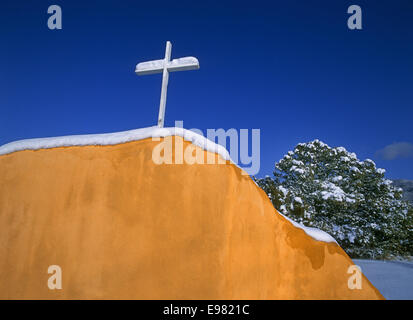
290 68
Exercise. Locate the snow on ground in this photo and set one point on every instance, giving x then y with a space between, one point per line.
394 279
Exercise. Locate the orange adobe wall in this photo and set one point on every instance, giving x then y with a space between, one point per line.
122 227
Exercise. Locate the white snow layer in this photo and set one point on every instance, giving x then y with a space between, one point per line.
298 200
156 66
115 138
314 233
104 139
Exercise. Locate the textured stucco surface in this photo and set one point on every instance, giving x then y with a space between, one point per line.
122 227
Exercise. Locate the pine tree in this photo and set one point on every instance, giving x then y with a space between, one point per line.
330 189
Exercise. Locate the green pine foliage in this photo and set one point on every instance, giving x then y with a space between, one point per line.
330 189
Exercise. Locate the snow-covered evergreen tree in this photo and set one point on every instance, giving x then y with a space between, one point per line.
330 189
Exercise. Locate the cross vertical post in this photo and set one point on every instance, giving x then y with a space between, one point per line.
165 78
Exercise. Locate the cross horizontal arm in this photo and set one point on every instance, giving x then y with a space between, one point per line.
182 64
149 67
156 66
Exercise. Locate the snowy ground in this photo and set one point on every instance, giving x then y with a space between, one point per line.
394 279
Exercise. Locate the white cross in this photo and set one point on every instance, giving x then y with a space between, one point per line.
166 65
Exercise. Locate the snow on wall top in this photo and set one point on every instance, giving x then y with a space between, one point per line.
114 138
314 233
134 135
